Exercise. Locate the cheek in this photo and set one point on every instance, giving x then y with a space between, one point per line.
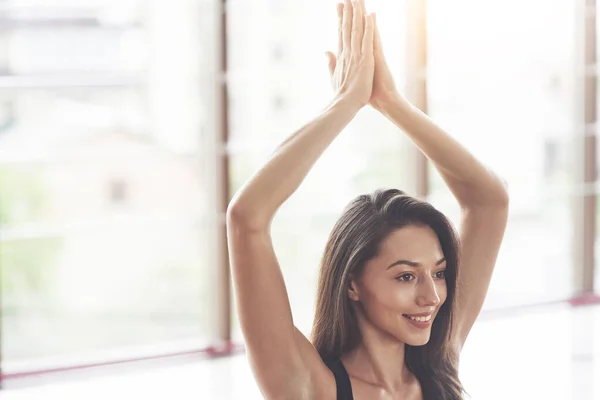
404 297
394 299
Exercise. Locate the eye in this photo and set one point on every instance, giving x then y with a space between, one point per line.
441 274
405 278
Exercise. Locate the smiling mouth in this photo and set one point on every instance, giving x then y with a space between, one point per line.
426 318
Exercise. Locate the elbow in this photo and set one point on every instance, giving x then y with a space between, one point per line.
234 212
503 195
498 197
239 217
237 214
495 196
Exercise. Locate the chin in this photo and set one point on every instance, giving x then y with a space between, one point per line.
419 343
416 342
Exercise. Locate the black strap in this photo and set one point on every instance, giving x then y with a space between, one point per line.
342 380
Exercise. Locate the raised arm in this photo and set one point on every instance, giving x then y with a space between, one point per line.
283 361
352 78
482 195
260 197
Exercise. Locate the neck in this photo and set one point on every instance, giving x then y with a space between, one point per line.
378 360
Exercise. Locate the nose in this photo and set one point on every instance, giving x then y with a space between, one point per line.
427 295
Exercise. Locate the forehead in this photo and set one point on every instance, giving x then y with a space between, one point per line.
413 243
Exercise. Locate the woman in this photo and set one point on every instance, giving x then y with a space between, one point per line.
392 310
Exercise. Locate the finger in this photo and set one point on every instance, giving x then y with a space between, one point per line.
347 25
377 40
340 12
357 27
332 62
368 41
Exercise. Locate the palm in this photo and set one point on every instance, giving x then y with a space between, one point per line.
353 69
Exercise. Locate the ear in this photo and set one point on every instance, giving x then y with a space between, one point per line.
353 291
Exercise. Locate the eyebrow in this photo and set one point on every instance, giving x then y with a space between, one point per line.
412 263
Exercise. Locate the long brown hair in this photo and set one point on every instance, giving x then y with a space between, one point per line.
354 240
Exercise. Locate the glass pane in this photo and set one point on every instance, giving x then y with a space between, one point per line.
507 94
107 251
103 209
47 37
100 288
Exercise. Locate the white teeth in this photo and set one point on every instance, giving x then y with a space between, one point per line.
420 319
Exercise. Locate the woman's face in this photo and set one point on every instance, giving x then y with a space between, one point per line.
406 278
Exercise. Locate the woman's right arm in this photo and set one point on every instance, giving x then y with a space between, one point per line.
352 76
284 362
255 204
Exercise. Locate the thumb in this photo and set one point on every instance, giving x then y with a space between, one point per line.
332 61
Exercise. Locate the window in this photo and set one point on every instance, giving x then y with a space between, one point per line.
99 106
507 94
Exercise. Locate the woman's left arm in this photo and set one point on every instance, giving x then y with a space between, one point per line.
483 199
472 183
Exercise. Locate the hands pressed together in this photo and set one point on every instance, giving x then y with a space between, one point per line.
359 72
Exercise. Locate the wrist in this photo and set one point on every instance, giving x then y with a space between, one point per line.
390 101
346 103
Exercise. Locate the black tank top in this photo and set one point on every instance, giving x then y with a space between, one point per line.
342 380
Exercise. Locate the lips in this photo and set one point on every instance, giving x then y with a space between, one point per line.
425 314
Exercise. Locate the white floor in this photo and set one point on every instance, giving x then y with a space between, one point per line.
549 353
